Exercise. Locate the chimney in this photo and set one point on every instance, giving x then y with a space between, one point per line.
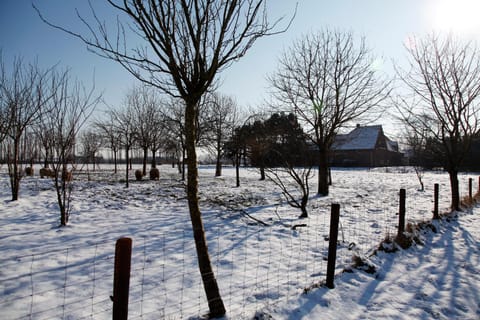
358 125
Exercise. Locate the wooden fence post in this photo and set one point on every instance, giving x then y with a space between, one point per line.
121 278
435 201
332 246
470 190
401 214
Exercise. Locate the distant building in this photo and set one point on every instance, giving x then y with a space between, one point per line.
365 147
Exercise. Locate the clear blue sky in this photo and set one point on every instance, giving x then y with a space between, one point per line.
386 24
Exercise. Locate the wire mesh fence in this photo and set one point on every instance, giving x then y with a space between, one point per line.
58 284
256 266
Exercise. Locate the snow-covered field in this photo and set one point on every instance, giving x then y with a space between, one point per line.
47 272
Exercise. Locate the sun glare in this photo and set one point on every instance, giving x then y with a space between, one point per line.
460 17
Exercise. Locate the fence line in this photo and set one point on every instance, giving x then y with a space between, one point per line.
256 268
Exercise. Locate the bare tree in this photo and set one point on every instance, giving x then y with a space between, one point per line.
329 80
297 193
188 42
288 163
4 105
124 125
159 139
91 142
70 107
239 141
221 116
174 115
44 135
23 94
442 105
111 137
145 105
417 146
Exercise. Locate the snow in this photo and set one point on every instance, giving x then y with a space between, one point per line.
48 272
361 138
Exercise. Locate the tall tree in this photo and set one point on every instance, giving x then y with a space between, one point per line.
329 80
442 105
185 44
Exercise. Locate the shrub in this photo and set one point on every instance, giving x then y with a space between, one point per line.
47 172
154 174
138 174
29 171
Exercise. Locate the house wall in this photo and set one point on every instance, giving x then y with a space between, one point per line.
365 158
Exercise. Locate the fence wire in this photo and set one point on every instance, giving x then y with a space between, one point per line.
256 266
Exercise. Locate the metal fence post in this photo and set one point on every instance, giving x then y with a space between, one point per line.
121 278
332 246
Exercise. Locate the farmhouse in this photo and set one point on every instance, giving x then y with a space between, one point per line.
365 146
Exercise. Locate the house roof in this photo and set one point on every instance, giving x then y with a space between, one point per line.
362 138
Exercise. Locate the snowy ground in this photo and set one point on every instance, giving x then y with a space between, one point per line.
437 280
49 272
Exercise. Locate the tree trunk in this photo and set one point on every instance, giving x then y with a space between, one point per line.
323 186
45 162
453 174
237 169
303 207
14 170
144 164
15 182
218 167
183 163
61 200
210 285
262 172
115 161
154 159
304 213
127 160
